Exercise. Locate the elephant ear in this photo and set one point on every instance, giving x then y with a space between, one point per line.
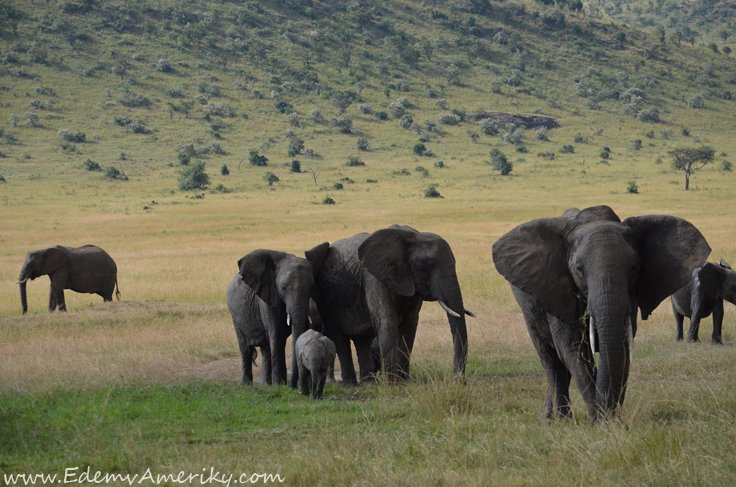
533 257
316 256
570 213
709 277
258 270
384 254
54 257
725 264
669 249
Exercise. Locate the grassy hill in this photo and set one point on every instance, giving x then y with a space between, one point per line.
154 88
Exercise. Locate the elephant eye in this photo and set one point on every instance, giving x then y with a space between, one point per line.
580 269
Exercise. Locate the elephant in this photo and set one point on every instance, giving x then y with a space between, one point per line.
87 269
703 295
315 356
589 266
373 285
268 300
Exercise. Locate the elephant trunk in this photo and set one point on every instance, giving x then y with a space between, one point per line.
298 312
23 299
610 314
452 298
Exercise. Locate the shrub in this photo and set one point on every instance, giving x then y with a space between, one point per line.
439 164
337 186
183 159
14 119
522 149
295 166
163 65
224 170
649 135
406 121
632 188
371 180
212 148
685 132
637 144
365 109
500 162
138 128
381 115
328 201
419 149
134 101
316 115
354 161
33 120
546 155
2 179
449 119
665 134
568 149
220 188
696 102
431 191
442 104
122 121
309 153
344 125
512 136
541 134
579 139
67 135
271 178
255 159
257 95
396 110
113 173
92 166
294 120
295 146
649 115
490 126
473 136
726 166
193 177
283 106
361 144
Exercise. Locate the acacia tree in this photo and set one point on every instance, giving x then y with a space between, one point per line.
691 160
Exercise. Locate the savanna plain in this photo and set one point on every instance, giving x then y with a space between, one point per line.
151 381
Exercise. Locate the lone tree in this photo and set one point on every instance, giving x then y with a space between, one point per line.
690 160
193 177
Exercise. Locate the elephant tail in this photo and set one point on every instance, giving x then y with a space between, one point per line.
117 289
255 356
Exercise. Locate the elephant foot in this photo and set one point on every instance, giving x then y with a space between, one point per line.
693 340
679 338
717 341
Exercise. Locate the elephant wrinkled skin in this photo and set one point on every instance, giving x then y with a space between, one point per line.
703 295
87 269
579 280
373 285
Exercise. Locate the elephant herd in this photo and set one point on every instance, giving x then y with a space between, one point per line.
579 280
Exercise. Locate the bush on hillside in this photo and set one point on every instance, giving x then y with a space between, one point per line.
193 177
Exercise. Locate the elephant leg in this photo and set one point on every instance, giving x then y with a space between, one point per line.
246 353
52 300
557 399
345 354
407 334
321 384
304 380
274 320
61 303
678 321
577 357
692 334
314 383
266 374
717 322
365 361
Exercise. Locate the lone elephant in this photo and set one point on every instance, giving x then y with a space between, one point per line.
87 269
268 300
315 356
373 285
703 295
589 264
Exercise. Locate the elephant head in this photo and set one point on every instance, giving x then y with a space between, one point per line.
718 280
412 263
40 263
593 264
282 279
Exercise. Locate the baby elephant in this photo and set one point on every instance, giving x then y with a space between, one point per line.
315 354
703 295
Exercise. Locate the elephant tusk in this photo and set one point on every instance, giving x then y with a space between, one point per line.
630 338
469 313
591 331
447 308
288 319
23 281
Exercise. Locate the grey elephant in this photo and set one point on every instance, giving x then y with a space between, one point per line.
315 356
268 300
373 285
87 269
703 295
579 280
